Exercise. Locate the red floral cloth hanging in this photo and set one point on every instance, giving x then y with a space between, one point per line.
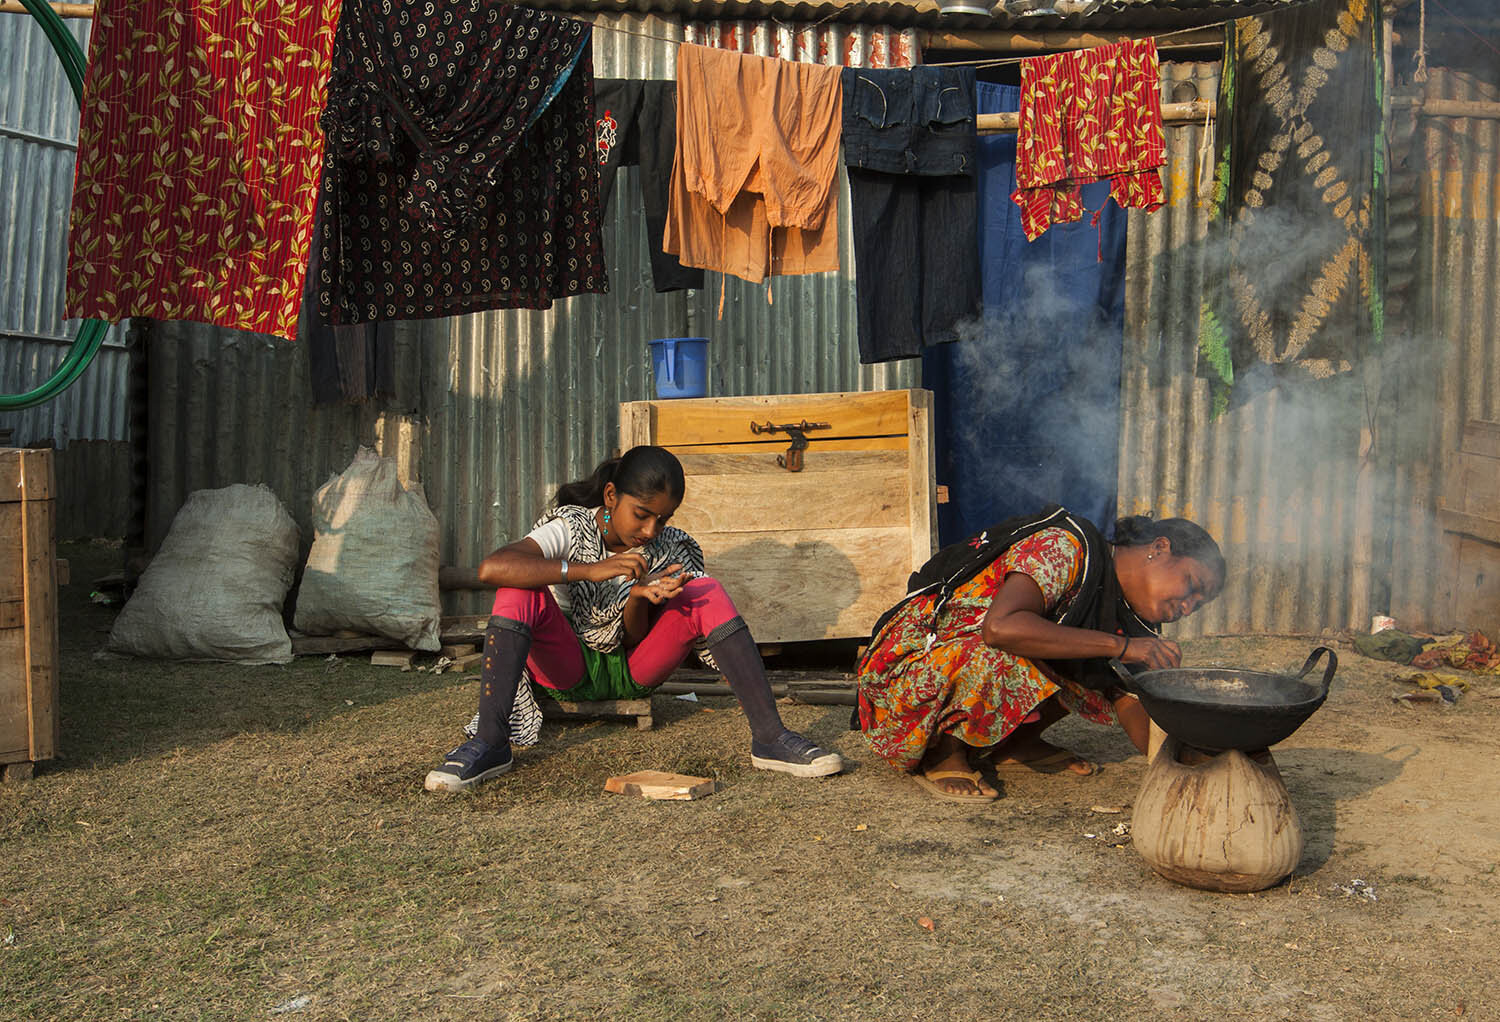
1088 116
199 157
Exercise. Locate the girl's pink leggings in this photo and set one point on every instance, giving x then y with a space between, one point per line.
557 663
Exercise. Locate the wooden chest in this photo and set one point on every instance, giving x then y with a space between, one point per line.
1470 515
28 608
816 553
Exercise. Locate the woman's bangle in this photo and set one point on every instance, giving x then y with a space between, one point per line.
564 569
1124 646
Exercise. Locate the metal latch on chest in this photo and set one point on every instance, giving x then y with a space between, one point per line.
792 459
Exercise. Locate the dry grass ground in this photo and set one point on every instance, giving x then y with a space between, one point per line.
232 843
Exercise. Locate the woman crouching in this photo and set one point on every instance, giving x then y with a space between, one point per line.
603 598
1002 635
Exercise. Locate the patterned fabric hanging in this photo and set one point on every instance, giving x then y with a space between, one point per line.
459 168
1294 269
1091 115
198 162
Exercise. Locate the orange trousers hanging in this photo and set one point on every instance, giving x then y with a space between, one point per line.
752 191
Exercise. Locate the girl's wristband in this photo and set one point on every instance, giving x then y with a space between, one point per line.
564 569
1124 646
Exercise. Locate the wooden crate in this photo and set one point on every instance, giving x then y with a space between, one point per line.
815 554
28 607
1470 516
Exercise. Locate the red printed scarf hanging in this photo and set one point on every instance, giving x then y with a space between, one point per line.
199 157
1088 116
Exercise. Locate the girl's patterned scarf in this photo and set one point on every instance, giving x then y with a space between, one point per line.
598 607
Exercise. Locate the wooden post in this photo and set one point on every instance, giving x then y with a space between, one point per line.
28 607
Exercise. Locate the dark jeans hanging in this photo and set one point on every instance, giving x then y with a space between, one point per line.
909 144
636 123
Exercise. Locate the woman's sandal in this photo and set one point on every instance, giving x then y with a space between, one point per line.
929 783
1053 763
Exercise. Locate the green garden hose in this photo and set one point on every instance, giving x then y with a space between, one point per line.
91 335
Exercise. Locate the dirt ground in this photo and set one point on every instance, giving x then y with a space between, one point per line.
226 842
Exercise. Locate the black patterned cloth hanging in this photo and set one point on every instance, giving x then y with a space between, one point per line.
1294 272
459 170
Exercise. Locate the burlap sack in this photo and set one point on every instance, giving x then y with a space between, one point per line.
373 567
215 589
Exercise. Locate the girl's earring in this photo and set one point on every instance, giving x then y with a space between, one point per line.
606 517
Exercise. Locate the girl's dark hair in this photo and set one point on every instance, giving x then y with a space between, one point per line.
643 472
1188 539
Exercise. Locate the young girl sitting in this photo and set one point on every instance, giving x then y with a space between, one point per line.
603 592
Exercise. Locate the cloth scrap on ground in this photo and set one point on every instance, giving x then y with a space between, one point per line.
198 162
1089 115
460 162
752 189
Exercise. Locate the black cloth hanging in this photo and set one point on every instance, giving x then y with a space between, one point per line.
459 165
636 123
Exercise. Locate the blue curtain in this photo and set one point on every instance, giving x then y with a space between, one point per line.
1028 403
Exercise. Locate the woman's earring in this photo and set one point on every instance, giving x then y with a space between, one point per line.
1149 557
606 518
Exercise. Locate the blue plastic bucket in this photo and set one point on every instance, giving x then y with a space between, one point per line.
681 366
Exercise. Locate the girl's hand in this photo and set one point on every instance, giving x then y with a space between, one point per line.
659 587
626 564
1153 652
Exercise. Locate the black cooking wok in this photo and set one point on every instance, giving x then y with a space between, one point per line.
1218 708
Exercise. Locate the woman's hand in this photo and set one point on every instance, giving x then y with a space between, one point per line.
1153 652
659 587
626 564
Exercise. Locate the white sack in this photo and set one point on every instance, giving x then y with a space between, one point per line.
215 589
373 567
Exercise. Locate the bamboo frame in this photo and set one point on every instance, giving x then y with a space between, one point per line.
61 10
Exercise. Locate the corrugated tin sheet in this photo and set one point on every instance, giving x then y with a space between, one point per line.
1008 14
1273 479
1446 367
38 134
513 402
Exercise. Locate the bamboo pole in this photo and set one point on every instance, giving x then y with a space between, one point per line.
1196 111
61 10
999 41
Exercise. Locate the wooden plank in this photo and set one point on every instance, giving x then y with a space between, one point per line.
1482 438
776 500
17 773
12 614
463 663
1477 526
12 568
657 784
1474 484
25 474
799 586
458 649
1476 588
922 473
15 728
816 446
727 419
635 424
64 572
761 462
464 628
39 550
392 658
323 645
640 709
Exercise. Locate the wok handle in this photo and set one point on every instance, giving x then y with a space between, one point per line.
1123 673
1333 665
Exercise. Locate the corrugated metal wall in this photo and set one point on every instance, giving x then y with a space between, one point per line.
38 139
513 402
1274 479
1446 369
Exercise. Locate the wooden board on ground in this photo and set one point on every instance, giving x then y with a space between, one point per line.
463 663
658 784
640 709
813 554
28 607
392 658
